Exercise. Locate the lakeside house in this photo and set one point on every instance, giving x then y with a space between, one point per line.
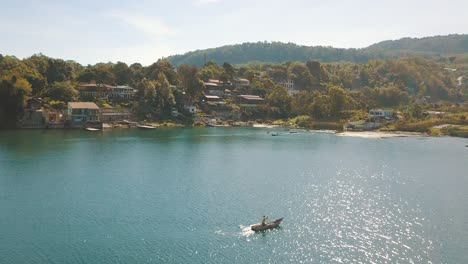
212 103
248 100
122 91
377 119
105 91
212 98
81 114
242 85
115 114
289 85
54 119
218 88
378 114
36 117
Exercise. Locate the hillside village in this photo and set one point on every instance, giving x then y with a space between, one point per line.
214 107
42 92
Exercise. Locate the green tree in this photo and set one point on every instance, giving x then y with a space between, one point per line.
59 71
320 108
122 73
315 69
13 94
280 99
301 103
262 86
301 76
104 74
278 73
229 71
416 111
337 100
162 66
61 91
191 83
164 96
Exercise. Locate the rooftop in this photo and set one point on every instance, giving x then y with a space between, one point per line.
212 96
94 85
251 97
83 105
386 110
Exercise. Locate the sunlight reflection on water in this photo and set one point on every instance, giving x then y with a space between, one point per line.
352 219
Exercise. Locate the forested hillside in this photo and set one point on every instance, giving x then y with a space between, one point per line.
446 45
277 52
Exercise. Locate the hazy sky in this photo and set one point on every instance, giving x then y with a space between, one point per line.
91 31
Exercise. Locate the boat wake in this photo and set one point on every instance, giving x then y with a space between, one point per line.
246 231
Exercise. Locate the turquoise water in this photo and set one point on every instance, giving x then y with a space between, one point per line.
189 196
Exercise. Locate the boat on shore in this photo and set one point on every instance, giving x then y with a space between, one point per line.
270 225
145 127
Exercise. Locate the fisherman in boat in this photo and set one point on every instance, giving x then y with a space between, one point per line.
264 220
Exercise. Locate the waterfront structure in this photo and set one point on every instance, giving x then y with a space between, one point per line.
377 119
211 98
218 88
381 113
35 116
33 119
115 114
104 91
248 100
81 113
122 91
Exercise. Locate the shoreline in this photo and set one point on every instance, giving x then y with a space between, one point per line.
380 134
358 134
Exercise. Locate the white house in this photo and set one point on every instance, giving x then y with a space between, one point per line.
105 91
122 91
381 113
289 85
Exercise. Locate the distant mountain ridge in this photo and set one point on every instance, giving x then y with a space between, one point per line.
451 44
276 52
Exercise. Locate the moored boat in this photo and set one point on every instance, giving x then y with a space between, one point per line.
91 129
270 225
146 127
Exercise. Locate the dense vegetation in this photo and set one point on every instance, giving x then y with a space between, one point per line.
452 44
277 52
329 92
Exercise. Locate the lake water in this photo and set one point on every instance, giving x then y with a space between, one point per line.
189 196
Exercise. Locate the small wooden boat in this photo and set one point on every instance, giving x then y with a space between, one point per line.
270 225
146 127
